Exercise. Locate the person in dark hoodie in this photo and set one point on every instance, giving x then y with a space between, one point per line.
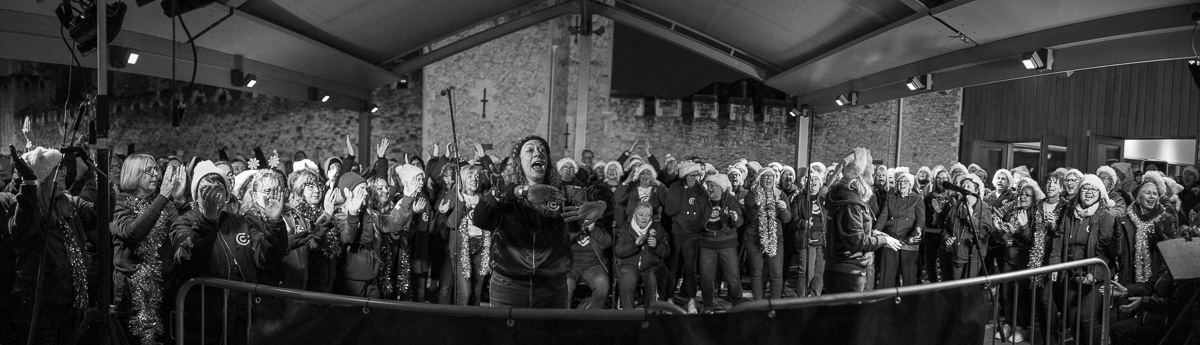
209 241
719 240
687 222
642 247
850 242
535 220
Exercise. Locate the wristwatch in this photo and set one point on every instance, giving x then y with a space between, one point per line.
521 191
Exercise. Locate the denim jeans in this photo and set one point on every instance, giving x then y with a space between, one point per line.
628 278
596 278
728 259
507 292
838 282
754 254
467 289
812 269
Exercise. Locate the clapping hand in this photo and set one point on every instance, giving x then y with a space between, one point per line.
1134 303
1022 218
298 240
589 212
332 199
650 240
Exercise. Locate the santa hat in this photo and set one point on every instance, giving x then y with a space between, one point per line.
688 167
610 164
754 166
896 172
905 175
788 168
240 183
775 165
629 162
405 173
817 168
1112 174
958 168
740 166
978 171
1020 173
599 166
645 168
710 169
1174 187
304 164
935 171
974 179
856 163
1094 181
720 180
202 169
566 161
1156 179
668 158
1002 173
43 161
1073 171
926 170
1028 182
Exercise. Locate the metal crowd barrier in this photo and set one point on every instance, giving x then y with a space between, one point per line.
253 291
1053 321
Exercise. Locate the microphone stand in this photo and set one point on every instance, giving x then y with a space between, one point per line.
456 190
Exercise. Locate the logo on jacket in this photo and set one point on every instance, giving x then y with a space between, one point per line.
242 239
716 215
425 217
816 209
553 205
692 201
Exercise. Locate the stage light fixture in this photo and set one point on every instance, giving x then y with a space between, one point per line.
318 95
844 100
374 108
82 25
1041 59
242 79
794 112
120 57
921 82
1194 67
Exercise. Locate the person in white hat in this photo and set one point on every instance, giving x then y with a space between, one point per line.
850 242
1087 231
965 236
684 206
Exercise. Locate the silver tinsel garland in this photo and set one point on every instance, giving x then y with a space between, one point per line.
147 281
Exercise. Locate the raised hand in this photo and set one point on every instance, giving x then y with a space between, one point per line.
631 147
420 205
23 169
589 212
274 208
444 206
170 182
647 148
1022 218
382 149
331 200
355 204
349 146
210 202
478 151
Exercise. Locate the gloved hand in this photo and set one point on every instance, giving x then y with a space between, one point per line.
23 168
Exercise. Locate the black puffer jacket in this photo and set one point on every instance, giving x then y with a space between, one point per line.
529 244
849 243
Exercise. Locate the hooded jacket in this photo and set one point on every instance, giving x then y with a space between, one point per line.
688 209
233 246
848 239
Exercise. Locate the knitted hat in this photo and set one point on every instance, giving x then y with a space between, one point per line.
350 181
689 167
202 169
629 162
1002 173
1094 181
43 161
304 164
720 180
566 161
856 163
1191 170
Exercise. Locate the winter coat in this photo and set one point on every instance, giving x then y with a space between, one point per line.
849 241
234 246
808 207
130 229
902 217
1164 228
627 200
688 208
642 256
971 230
1089 237
753 225
361 235
936 208
31 233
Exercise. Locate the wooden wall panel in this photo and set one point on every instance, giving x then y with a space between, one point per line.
1154 100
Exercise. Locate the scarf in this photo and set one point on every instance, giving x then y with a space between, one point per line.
329 246
1084 212
768 226
464 248
1145 228
147 280
1044 223
72 242
639 230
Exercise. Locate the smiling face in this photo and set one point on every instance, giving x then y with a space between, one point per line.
470 179
942 177
612 172
533 161
1108 181
1026 197
1148 196
1072 183
789 177
692 178
1089 195
713 190
1053 187
904 184
646 179
922 176
238 167
768 180
567 172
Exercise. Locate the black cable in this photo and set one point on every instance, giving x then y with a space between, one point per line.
196 59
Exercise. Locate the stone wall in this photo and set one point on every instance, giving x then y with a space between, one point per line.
930 134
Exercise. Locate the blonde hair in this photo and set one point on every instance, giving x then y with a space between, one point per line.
132 169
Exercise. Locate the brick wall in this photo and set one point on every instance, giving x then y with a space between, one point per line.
930 133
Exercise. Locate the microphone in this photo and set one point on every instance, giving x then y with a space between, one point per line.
960 190
447 90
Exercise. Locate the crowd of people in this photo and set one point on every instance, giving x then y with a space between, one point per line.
515 231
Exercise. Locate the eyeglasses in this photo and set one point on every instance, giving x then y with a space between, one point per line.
1089 190
311 185
1071 180
153 172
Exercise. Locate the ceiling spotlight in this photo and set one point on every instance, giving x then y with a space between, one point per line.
921 82
1041 59
120 57
794 112
241 79
374 108
318 95
844 100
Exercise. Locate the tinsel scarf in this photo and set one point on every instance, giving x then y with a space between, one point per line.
768 226
1141 256
1044 223
75 256
464 248
330 246
147 280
